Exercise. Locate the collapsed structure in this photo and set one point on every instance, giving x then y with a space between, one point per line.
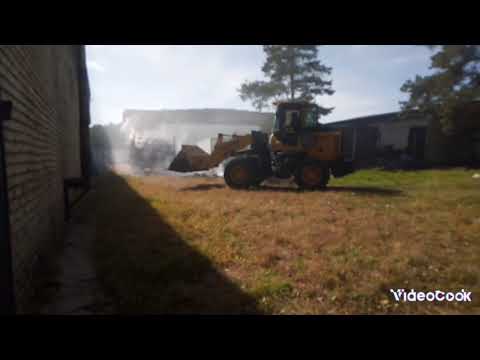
167 130
413 136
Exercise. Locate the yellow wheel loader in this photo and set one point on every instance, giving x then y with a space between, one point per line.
299 147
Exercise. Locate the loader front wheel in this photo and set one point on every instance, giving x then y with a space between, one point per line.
312 176
240 173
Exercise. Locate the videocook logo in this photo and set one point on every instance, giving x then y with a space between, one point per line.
440 296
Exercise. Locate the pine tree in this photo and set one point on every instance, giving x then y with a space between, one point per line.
454 83
294 73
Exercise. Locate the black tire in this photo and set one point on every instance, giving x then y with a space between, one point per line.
312 176
241 173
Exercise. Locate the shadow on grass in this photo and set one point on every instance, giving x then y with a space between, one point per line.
367 190
347 189
376 191
204 187
146 266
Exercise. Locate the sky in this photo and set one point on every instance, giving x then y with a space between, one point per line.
366 78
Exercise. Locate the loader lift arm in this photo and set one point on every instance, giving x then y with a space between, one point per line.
224 149
192 158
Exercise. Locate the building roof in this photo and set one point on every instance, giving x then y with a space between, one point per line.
471 106
367 120
373 119
148 119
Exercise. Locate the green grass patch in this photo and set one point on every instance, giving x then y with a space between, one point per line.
164 249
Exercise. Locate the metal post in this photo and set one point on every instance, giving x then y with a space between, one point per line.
7 292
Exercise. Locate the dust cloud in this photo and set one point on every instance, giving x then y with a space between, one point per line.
146 142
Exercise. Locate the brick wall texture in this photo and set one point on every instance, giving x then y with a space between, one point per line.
42 147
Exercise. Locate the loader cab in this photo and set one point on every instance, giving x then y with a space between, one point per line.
294 119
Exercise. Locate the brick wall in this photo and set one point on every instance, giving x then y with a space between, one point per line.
42 146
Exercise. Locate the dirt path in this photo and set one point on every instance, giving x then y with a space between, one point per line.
77 291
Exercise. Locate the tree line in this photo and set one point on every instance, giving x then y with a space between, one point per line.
295 73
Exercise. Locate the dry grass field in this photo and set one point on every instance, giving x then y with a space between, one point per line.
192 245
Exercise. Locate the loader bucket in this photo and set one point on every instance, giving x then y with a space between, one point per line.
190 158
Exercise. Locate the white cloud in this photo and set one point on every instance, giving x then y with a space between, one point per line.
181 77
351 104
406 59
94 65
106 114
360 47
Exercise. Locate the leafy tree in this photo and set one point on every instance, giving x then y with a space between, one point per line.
259 93
294 72
109 135
99 137
454 83
117 137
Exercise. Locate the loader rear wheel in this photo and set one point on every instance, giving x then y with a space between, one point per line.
240 173
312 176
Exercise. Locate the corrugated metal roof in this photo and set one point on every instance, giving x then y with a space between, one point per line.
366 120
473 106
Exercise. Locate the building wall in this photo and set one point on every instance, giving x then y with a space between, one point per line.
364 142
42 145
396 133
461 148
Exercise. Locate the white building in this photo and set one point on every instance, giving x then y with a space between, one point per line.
193 127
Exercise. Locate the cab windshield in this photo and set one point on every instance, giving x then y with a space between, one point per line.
276 123
309 118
